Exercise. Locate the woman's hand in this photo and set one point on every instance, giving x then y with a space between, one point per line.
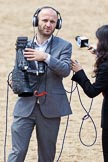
76 66
92 49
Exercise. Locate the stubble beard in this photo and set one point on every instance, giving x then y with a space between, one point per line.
44 33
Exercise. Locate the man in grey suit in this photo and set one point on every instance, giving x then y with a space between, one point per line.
49 103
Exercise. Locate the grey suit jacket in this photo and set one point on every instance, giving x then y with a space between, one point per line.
55 103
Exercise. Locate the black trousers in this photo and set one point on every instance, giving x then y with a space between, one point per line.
105 144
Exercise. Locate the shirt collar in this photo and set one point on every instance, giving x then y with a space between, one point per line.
44 43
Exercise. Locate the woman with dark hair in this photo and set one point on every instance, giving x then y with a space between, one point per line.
101 81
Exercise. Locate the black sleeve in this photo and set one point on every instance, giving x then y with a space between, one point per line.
98 86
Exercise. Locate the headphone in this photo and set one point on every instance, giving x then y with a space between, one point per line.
35 17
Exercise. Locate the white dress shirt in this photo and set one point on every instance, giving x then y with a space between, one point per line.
42 47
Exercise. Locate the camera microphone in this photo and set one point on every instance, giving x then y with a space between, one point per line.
82 41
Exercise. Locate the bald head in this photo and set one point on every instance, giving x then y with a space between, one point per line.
47 21
45 12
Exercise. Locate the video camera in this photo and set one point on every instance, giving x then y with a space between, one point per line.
22 69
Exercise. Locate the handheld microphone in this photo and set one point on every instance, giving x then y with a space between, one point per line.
82 41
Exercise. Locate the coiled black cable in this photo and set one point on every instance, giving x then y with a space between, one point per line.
67 122
87 116
6 119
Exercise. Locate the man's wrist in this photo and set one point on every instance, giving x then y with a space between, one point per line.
47 58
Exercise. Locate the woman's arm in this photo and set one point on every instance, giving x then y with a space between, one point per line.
91 89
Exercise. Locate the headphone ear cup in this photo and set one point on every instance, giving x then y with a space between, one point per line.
59 24
35 21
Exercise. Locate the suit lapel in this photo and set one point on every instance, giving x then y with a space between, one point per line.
50 46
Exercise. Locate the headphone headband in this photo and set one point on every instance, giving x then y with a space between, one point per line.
35 17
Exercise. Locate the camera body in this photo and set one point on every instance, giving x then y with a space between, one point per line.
22 70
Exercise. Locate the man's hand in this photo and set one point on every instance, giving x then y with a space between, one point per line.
34 55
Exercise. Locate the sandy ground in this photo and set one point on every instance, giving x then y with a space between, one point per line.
79 18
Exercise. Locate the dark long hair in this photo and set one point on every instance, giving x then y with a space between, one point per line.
102 46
